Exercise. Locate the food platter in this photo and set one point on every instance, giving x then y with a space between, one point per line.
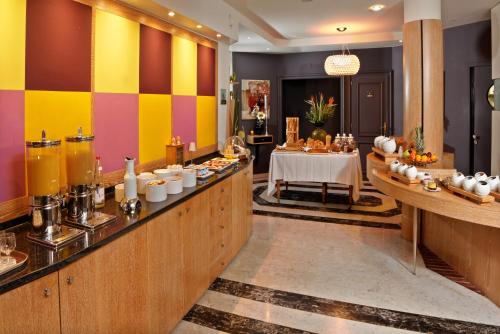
219 165
20 258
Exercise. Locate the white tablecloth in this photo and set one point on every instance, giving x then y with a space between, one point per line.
344 168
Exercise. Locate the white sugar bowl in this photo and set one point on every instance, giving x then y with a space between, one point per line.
411 172
468 183
494 182
402 168
482 188
457 179
156 191
481 176
389 145
142 180
394 166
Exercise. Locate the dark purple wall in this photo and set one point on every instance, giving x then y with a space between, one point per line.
464 47
275 67
397 83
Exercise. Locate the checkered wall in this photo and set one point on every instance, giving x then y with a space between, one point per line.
134 88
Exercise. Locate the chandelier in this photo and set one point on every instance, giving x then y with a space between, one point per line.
343 64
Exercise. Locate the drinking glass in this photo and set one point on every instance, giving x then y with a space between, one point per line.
7 245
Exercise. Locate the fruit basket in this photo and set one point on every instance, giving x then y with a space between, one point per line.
420 160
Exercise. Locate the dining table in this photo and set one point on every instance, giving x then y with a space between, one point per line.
301 166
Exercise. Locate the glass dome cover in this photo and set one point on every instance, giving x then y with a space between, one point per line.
235 148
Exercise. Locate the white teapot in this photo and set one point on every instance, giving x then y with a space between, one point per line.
457 179
469 183
389 146
494 182
394 166
377 140
411 172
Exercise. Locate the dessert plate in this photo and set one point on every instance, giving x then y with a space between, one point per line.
438 189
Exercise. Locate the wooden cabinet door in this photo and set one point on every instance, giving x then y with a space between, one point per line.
248 173
239 213
220 227
166 286
195 248
106 291
31 308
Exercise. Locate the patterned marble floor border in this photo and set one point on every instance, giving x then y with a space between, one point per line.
233 323
259 200
345 310
328 220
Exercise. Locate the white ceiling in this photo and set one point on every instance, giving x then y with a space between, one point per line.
310 25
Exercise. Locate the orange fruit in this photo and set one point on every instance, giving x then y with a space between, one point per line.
424 159
418 158
434 158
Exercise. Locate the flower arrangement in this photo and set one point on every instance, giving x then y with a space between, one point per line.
261 117
320 110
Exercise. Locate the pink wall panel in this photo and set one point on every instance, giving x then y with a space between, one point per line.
116 130
184 118
12 177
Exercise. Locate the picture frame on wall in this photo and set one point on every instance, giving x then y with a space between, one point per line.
255 96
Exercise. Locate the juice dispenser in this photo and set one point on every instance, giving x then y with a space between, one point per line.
80 161
43 166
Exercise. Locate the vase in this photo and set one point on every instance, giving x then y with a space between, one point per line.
319 134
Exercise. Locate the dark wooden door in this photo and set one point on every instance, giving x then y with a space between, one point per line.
371 109
480 138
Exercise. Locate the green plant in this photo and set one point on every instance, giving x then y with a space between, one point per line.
320 110
419 140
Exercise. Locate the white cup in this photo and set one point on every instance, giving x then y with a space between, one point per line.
188 178
174 185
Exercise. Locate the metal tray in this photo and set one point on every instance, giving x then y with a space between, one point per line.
20 258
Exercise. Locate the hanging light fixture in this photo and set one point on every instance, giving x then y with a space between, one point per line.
343 64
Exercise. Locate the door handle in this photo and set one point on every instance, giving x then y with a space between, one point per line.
476 138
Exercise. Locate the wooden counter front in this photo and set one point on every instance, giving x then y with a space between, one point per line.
443 203
148 278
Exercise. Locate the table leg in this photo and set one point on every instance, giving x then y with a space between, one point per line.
416 213
278 189
286 185
325 192
351 201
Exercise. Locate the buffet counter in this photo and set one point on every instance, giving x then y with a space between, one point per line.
464 234
138 274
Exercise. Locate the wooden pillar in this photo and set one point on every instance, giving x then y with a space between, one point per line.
423 82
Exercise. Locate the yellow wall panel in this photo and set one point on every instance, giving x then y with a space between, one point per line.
12 44
59 114
206 122
184 63
116 54
155 126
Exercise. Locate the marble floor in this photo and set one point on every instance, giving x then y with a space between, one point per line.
301 276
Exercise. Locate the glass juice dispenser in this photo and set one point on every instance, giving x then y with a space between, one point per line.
80 163
43 159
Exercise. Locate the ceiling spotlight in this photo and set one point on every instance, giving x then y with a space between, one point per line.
218 35
376 7
171 14
199 26
400 41
268 49
249 37
341 29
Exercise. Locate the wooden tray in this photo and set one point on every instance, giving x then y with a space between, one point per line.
402 178
20 258
387 157
318 151
468 195
496 195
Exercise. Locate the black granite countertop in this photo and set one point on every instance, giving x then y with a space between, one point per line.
43 261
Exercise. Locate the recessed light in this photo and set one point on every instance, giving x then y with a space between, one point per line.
219 35
199 26
376 7
400 41
171 14
249 37
341 29
268 49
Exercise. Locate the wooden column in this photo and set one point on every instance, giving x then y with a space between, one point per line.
423 82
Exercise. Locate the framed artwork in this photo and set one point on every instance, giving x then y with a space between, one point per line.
255 96
223 96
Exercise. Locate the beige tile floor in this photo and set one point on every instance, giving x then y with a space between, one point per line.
354 264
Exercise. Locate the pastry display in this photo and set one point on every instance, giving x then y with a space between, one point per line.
218 164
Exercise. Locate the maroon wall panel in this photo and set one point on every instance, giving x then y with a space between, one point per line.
155 61
58 45
206 71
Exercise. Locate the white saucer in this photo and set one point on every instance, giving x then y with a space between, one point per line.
438 189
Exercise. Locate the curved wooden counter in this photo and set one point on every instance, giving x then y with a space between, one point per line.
442 203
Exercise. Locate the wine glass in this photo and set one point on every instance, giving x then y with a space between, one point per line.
7 245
